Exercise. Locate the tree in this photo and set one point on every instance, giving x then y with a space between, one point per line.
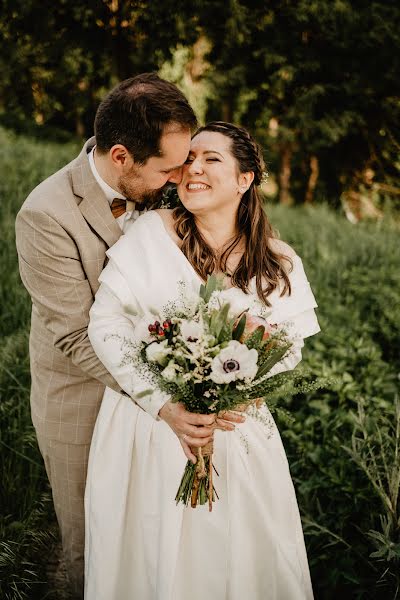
311 70
59 58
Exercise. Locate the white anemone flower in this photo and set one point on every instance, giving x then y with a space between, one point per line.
158 352
234 362
191 330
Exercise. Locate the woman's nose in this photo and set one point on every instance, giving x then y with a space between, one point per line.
195 166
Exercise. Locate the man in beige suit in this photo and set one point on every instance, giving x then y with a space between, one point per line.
142 138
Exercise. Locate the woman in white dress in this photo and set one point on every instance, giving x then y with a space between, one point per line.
140 545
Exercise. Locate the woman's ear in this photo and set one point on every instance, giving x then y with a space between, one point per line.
245 181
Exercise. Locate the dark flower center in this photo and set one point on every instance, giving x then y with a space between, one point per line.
231 365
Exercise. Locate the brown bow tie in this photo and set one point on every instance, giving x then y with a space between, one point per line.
119 206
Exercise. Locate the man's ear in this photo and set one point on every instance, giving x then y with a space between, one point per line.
120 156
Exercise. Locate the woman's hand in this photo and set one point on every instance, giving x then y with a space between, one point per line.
192 429
226 420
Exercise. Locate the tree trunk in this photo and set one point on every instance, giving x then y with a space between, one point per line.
227 111
79 126
312 180
284 175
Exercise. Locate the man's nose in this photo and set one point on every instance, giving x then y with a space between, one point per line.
176 176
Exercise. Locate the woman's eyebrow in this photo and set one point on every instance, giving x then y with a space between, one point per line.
208 152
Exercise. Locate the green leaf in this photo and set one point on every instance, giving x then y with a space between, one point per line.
275 356
221 321
213 283
239 329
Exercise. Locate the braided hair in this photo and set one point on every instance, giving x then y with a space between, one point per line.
259 259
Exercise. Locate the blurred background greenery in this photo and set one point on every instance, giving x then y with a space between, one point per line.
318 84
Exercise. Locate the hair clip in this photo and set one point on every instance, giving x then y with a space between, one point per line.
264 177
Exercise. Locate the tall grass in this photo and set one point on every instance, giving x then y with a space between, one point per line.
343 445
26 517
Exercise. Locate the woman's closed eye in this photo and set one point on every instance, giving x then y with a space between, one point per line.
190 159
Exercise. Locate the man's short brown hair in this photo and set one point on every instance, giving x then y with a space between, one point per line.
137 111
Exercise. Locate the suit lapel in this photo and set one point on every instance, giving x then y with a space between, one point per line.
94 205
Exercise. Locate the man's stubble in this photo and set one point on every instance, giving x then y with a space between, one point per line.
131 186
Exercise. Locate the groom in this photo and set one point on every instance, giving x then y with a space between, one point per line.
142 137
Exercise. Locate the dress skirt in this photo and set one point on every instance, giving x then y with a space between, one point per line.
140 545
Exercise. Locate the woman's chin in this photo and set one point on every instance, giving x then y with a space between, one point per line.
194 205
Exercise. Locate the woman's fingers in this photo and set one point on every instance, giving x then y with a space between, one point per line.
224 425
199 420
226 420
197 442
231 416
188 453
186 443
197 432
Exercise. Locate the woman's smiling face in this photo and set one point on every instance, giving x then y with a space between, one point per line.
211 178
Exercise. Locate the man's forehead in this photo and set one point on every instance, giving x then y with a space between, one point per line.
171 138
174 148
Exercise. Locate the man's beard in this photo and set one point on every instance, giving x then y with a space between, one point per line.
147 198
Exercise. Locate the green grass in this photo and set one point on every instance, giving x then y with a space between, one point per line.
26 515
343 446
347 469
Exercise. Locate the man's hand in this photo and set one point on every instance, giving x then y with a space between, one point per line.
192 429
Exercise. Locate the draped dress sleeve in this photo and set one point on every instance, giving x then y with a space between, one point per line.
297 313
118 317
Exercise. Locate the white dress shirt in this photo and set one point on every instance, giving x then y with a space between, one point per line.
131 214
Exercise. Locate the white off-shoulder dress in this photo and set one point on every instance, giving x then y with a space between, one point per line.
140 545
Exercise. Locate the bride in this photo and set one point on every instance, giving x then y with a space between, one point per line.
140 545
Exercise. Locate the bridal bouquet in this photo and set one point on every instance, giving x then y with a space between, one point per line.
212 353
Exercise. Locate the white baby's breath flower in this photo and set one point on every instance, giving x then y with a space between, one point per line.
170 371
189 299
234 362
158 352
216 300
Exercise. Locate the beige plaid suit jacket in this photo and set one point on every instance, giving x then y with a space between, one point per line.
63 231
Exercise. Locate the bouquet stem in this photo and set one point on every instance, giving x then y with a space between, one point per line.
197 482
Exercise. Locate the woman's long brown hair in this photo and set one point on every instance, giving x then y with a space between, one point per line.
259 260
